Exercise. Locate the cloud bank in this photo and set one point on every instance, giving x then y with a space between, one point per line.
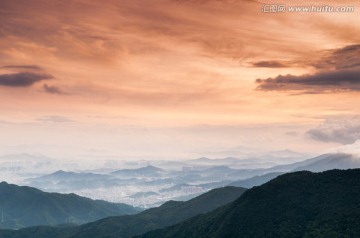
53 90
334 81
338 70
23 79
269 64
341 130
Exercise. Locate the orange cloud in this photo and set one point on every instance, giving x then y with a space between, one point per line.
170 61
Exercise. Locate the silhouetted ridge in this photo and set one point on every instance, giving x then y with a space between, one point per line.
300 204
23 206
169 213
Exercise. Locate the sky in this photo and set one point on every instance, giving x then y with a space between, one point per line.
176 79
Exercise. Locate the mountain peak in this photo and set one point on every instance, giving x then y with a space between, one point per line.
60 172
151 167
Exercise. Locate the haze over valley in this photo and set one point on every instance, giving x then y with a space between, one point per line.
150 183
179 119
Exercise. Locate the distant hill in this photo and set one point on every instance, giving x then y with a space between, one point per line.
148 171
25 163
321 163
23 206
38 232
331 161
169 213
175 187
218 169
63 180
256 180
61 175
143 194
219 184
294 205
207 161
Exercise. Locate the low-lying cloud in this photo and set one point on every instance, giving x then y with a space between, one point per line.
337 71
270 64
23 79
22 67
342 130
53 90
333 81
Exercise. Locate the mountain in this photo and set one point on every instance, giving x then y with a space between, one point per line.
283 154
176 187
148 171
38 232
222 183
249 160
143 194
294 205
63 181
249 178
62 175
25 163
332 161
207 161
256 180
320 163
169 213
23 206
218 170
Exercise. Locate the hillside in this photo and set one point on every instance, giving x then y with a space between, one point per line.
64 181
300 204
23 206
255 181
168 214
144 171
321 163
332 161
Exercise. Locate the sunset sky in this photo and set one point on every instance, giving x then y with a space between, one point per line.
176 78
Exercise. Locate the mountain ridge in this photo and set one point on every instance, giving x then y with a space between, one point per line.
298 204
169 213
24 206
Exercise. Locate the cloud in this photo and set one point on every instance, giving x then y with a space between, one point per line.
126 27
347 57
339 59
22 67
340 130
337 71
53 90
334 81
269 64
23 79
